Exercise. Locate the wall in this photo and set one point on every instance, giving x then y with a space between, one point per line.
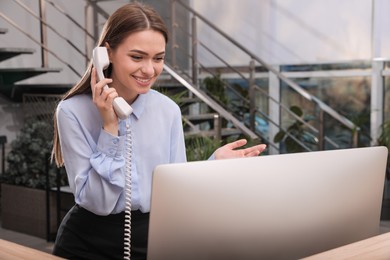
305 31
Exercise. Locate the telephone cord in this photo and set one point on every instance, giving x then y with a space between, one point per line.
127 230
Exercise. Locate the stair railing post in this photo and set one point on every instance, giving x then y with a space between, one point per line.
274 108
321 131
194 47
194 108
173 33
377 98
91 25
42 15
217 127
355 137
252 98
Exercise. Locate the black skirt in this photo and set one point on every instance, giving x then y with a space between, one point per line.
84 235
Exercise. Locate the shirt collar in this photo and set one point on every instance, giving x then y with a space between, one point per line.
139 105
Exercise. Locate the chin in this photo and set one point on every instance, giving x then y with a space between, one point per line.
144 90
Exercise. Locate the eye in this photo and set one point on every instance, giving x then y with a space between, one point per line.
159 59
136 57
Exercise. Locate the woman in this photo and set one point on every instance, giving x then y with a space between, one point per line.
90 140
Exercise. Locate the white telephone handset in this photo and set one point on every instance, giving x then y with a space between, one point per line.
101 61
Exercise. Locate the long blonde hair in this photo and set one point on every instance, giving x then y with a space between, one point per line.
130 18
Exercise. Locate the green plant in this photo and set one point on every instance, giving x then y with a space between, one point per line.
29 158
216 87
296 135
176 97
384 139
200 147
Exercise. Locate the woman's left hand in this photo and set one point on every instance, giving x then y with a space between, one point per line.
227 151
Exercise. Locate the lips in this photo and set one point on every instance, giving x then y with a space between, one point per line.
143 81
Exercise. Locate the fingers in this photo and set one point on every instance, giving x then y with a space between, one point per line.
254 150
247 152
102 96
93 81
236 144
228 151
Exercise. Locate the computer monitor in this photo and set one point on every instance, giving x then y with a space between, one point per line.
268 207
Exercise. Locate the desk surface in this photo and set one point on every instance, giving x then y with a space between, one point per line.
377 247
10 250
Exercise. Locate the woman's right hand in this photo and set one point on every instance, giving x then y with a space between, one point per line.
103 98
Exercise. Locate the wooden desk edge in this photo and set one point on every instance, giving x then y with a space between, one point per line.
376 247
11 250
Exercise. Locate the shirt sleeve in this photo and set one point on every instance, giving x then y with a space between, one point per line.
178 150
94 168
212 157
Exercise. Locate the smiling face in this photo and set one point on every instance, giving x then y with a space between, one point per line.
136 63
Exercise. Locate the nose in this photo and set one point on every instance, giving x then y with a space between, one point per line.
148 68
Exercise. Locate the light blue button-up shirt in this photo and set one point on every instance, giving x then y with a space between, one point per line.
95 160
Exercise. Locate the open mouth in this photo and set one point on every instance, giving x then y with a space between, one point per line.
143 81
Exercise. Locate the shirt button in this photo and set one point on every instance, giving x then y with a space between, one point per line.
115 141
112 151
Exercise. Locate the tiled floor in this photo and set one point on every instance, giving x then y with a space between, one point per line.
43 245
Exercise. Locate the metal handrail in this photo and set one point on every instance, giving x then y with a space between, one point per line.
286 109
70 18
316 131
257 88
345 121
43 22
50 27
211 103
270 142
10 21
99 10
194 90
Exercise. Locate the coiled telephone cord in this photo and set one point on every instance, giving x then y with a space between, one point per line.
127 230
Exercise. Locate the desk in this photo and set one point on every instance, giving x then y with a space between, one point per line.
10 250
377 247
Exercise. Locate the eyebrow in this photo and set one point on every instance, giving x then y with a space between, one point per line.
145 53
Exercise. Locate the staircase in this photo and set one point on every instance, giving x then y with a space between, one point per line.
199 119
253 91
202 116
10 77
250 108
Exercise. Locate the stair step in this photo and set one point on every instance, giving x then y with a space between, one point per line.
9 76
167 81
167 85
196 119
16 92
7 53
209 133
188 100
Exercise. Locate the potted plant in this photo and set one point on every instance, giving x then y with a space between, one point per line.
296 135
23 184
